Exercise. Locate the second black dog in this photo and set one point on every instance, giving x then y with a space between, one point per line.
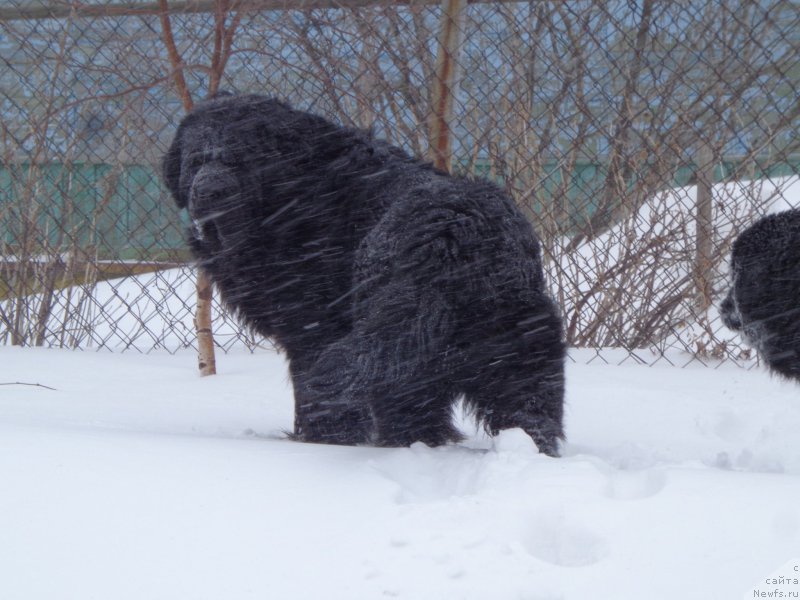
764 299
394 288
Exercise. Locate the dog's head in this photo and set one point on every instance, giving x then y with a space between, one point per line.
763 302
197 150
212 167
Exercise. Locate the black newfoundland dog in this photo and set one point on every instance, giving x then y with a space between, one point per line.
393 288
764 300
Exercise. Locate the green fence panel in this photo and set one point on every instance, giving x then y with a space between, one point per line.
124 212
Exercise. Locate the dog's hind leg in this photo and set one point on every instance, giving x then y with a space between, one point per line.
403 358
326 409
515 375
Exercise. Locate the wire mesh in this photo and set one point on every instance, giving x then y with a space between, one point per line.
639 136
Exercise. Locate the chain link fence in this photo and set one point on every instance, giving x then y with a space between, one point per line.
640 136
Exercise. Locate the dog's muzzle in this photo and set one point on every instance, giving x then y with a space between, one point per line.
730 314
213 188
212 201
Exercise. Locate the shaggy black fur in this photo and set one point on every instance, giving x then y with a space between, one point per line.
764 300
393 288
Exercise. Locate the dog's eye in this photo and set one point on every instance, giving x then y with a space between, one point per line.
228 158
195 160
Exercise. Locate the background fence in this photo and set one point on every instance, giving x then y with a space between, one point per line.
640 136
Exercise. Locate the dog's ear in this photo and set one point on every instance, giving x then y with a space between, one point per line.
171 170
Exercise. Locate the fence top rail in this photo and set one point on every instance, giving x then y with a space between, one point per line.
67 9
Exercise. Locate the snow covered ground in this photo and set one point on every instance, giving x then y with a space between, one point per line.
133 478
